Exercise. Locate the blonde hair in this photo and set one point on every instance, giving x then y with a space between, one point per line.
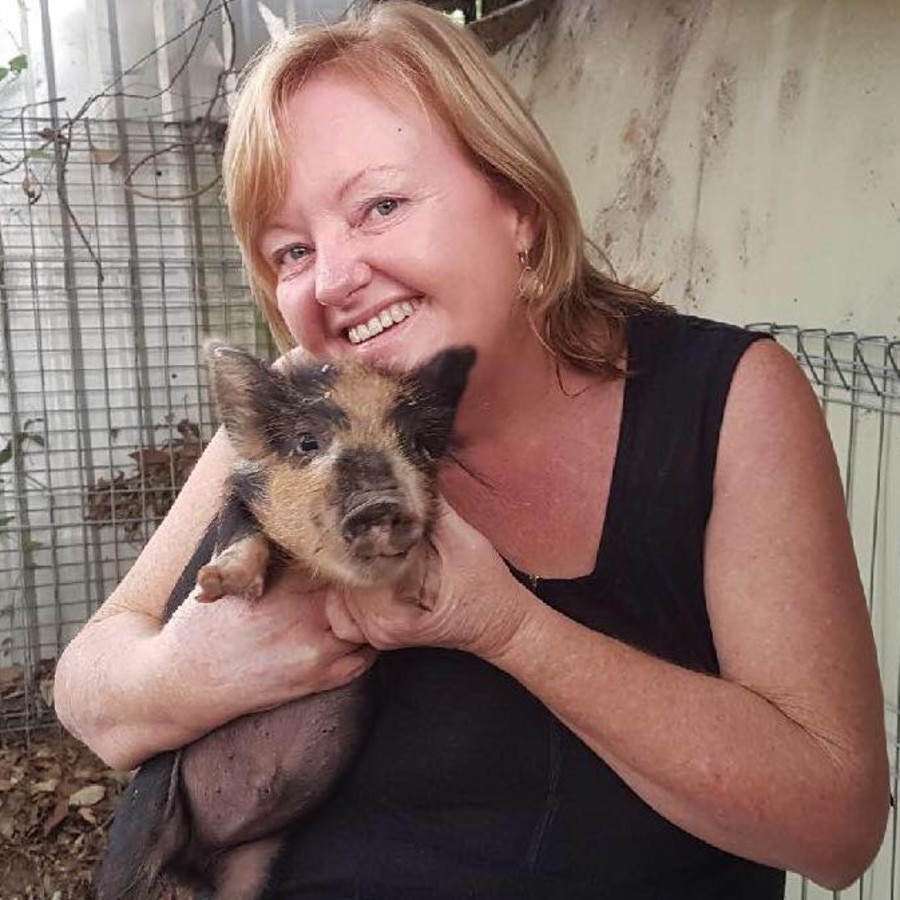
575 309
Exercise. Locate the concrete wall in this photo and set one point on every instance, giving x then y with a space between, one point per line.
743 153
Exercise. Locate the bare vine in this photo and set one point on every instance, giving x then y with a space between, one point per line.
58 139
206 128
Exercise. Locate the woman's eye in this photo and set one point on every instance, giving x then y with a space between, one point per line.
308 443
293 254
385 207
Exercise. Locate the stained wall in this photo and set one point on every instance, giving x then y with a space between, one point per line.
744 154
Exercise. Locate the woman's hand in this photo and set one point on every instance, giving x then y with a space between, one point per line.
463 597
242 656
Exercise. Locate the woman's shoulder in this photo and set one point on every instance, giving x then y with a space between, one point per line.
686 356
664 324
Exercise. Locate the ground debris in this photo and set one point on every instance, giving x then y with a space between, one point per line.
25 700
56 803
146 493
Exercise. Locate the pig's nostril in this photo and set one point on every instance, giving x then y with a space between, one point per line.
382 515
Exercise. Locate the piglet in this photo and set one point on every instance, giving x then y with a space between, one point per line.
337 476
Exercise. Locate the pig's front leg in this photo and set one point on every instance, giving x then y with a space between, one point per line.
239 569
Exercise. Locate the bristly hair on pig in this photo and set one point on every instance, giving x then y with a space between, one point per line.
337 460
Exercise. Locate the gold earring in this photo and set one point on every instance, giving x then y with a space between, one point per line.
530 287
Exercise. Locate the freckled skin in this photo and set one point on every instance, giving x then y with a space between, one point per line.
337 476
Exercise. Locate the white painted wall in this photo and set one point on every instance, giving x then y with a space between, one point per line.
83 57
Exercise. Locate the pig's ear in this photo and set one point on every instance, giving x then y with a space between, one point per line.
425 418
443 379
239 382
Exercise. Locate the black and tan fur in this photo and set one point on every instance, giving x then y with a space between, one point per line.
336 475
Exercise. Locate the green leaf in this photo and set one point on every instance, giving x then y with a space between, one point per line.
3 72
6 453
19 63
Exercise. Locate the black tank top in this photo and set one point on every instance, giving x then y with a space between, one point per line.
468 786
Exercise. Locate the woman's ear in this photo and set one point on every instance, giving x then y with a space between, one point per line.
524 215
526 227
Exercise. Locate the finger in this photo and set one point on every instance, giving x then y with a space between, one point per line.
449 525
341 622
351 666
295 356
337 647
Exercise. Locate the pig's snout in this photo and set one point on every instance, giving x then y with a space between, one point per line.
380 526
377 521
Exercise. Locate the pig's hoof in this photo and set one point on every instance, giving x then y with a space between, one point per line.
216 580
254 588
210 582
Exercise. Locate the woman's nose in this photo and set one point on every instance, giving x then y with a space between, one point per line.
339 272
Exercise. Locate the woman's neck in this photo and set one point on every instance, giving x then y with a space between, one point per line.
526 391
539 452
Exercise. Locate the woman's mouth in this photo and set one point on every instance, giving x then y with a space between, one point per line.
387 318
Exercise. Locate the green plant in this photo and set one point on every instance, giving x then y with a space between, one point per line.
16 66
14 446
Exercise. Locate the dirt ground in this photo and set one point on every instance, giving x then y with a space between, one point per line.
56 802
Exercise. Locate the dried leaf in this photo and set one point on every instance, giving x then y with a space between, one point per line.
87 814
10 675
119 778
32 188
88 795
45 787
104 156
45 688
60 811
48 848
151 456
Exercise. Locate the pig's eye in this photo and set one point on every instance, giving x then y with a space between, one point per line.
423 446
308 443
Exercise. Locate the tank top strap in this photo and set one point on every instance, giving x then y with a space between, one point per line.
680 370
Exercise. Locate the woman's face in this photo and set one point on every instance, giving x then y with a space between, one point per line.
390 245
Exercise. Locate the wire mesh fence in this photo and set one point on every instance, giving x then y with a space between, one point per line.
858 381
116 261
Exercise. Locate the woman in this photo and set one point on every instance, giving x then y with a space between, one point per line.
649 672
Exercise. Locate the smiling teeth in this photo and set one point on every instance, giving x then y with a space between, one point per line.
387 318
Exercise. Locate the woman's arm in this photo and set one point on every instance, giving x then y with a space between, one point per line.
781 759
129 688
